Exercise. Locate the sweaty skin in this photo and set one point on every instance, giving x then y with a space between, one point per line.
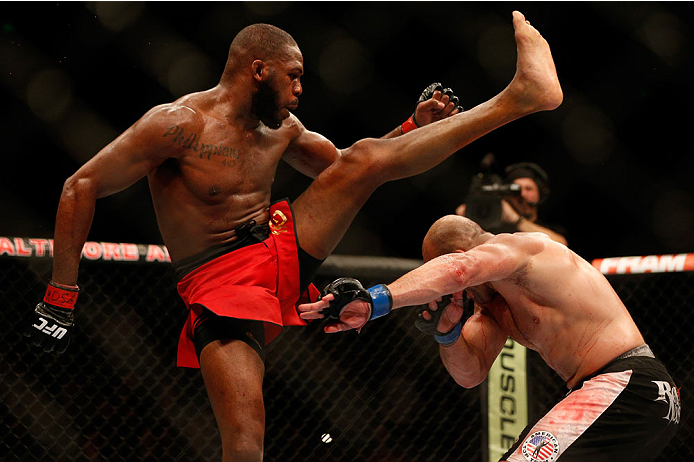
220 180
210 163
209 167
210 159
550 300
545 297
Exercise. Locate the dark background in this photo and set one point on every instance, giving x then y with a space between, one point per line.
75 75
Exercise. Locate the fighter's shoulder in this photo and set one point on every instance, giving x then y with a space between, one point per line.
177 113
527 242
166 127
293 126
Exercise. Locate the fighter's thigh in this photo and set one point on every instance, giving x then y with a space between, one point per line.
638 424
613 416
233 375
567 424
325 210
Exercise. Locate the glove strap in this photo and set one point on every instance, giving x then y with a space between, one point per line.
409 125
62 296
451 337
381 300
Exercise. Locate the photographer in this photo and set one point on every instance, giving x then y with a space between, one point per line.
511 205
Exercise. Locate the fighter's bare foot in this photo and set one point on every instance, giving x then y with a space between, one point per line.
535 87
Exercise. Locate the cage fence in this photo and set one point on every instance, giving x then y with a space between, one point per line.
382 395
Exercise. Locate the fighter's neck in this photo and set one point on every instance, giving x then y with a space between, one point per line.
232 104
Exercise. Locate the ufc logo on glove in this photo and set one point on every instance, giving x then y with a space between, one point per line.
54 330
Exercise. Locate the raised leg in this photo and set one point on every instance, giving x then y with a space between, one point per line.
328 206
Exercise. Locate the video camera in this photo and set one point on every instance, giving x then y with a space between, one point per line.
483 202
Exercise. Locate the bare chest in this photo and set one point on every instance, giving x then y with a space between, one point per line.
217 162
524 324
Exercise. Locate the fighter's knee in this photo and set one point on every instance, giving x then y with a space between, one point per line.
243 432
364 158
243 452
244 445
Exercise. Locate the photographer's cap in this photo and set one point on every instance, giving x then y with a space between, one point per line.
532 171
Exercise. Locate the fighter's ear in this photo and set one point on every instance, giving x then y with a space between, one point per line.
259 69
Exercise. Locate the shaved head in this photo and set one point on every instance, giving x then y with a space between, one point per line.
262 58
260 41
450 234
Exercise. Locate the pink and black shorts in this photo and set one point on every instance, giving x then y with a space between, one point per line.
627 411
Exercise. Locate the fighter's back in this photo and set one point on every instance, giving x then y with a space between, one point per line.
562 307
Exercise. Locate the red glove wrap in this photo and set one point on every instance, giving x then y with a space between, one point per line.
408 125
64 297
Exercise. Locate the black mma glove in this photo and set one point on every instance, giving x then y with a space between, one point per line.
346 290
411 123
50 325
431 326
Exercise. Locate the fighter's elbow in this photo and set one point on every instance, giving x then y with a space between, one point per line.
464 373
456 273
77 187
468 380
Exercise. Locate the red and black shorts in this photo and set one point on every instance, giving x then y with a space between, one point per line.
627 411
247 289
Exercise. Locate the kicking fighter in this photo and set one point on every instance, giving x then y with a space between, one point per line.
210 159
622 405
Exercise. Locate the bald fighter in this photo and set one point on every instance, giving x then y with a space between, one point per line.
243 261
622 403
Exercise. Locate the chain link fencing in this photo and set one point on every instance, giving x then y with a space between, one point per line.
382 395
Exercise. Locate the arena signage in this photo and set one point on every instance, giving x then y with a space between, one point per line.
105 251
646 264
507 399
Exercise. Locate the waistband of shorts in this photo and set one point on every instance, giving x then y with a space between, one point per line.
248 233
639 351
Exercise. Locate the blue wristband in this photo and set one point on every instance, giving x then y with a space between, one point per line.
381 300
451 337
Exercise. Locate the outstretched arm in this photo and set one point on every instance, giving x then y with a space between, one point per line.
467 353
494 260
498 258
434 104
310 153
